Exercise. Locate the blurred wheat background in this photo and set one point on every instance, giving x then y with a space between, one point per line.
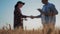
30 8
48 30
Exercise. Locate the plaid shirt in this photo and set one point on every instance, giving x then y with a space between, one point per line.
18 18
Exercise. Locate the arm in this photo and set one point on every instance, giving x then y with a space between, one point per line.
54 10
24 16
35 16
40 10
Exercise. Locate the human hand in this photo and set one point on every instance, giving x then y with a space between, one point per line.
32 17
39 9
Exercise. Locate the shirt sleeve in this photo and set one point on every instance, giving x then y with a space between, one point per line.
38 16
54 9
24 16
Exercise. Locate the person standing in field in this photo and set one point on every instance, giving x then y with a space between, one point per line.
48 14
18 21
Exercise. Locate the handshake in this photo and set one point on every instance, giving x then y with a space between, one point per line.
32 17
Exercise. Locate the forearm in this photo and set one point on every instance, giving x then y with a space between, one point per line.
25 16
36 16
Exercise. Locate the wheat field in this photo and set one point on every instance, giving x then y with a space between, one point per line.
45 30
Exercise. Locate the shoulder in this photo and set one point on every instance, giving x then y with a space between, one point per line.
51 5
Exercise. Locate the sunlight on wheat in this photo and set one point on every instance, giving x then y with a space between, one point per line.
45 30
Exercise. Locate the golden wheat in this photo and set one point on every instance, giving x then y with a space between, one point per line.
46 30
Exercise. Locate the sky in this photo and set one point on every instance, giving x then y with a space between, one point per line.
30 8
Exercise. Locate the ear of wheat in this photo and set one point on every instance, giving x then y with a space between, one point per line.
45 30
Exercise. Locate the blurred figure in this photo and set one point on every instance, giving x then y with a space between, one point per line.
18 21
48 15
